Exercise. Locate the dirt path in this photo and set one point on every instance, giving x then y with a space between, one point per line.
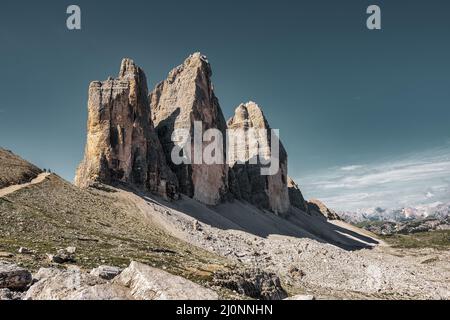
8 190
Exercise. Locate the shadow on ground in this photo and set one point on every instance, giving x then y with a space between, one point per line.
238 215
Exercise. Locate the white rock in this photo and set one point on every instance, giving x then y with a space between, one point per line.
71 250
147 283
73 284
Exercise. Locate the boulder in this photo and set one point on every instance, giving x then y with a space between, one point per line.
253 283
13 277
62 256
73 284
147 283
5 294
186 96
122 146
6 255
106 272
23 250
71 250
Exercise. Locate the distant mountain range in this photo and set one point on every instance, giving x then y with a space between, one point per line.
437 210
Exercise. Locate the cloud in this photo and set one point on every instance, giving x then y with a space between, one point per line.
351 168
405 181
392 173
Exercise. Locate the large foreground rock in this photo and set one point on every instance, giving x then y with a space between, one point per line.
122 145
73 284
147 283
13 277
265 191
185 97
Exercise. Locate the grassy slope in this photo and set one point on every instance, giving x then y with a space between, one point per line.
432 239
55 214
15 170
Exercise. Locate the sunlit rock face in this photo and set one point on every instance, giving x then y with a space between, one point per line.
186 96
122 145
265 191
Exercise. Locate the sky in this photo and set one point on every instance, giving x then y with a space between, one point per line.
412 180
354 106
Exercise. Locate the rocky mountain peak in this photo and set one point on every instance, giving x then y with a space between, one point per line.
186 96
128 69
248 115
317 207
122 145
267 192
295 196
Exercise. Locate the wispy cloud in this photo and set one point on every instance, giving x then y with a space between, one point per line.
411 180
351 168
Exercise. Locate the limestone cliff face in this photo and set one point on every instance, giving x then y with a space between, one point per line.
268 192
122 145
187 95
296 197
316 207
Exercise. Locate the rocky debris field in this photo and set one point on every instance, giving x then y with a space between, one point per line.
136 282
307 266
56 227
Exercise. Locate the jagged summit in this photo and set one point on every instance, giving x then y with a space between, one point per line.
128 69
186 96
248 115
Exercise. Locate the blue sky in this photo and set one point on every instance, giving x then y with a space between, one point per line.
340 94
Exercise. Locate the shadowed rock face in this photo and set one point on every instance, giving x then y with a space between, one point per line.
187 95
296 197
122 145
267 192
316 207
